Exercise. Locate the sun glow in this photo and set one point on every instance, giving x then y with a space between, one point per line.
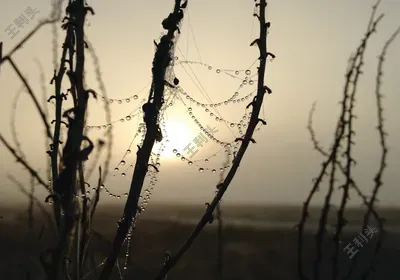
179 135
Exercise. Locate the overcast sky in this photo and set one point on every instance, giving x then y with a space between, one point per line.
312 41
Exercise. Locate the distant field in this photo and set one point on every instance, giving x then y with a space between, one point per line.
250 252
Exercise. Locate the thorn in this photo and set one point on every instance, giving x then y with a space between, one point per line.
152 165
256 41
267 89
262 121
250 104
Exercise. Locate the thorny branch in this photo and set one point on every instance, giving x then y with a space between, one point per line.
151 109
254 120
344 131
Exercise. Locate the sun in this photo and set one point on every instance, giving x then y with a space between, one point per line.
179 135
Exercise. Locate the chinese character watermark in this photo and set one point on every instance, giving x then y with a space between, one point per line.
20 22
360 241
198 141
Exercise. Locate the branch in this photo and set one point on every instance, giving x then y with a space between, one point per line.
24 163
32 95
244 145
151 110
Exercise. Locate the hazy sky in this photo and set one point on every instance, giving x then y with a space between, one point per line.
312 41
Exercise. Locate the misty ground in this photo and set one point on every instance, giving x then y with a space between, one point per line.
259 243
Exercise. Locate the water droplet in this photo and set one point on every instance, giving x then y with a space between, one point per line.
183 158
201 169
206 160
244 82
218 71
128 118
128 151
122 120
178 154
123 174
221 169
122 162
190 162
174 151
232 124
237 72
209 67
135 97
127 100
251 82
111 101
119 101
248 72
116 169
213 171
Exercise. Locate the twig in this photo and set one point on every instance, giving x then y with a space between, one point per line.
32 95
151 110
23 162
254 120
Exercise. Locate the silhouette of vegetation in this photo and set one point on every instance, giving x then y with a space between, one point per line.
342 147
74 206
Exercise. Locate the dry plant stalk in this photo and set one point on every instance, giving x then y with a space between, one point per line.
261 42
151 109
345 133
72 216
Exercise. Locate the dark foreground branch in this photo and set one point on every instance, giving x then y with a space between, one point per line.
151 110
208 215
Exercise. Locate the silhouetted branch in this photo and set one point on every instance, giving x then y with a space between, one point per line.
345 123
23 162
208 217
151 109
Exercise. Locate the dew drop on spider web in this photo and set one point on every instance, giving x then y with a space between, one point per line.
135 97
128 118
201 169
206 160
232 125
119 101
128 151
190 163
237 72
183 158
248 72
209 67
122 162
178 154
213 171
116 169
174 151
218 71
251 82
